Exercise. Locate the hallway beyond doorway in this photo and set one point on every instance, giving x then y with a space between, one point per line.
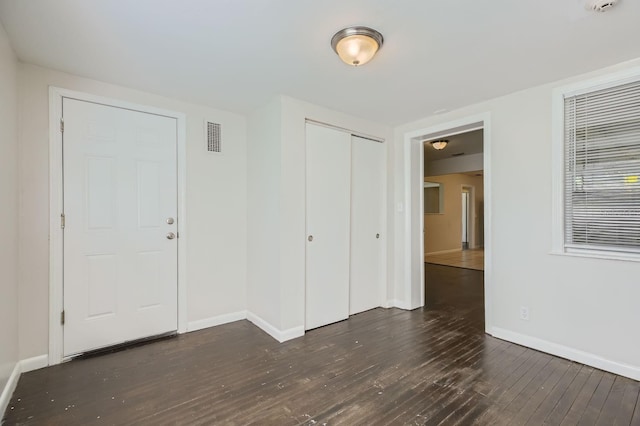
468 259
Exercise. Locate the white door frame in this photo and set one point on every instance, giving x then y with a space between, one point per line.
471 214
56 300
413 245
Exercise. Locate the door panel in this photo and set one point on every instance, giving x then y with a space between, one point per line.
328 163
367 184
120 186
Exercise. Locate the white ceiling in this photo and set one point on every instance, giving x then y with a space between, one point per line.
465 143
236 55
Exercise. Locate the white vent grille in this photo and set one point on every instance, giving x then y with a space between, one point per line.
214 137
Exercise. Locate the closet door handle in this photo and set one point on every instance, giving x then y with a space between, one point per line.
310 238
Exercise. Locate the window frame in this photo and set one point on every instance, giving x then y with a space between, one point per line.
558 171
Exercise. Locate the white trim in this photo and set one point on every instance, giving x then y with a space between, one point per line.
557 161
55 208
181 141
562 351
34 363
598 83
602 255
279 335
400 304
345 130
413 285
431 253
23 366
9 388
55 233
557 171
217 320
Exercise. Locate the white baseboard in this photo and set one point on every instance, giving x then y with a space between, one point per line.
22 366
443 252
34 363
401 304
217 320
9 387
279 335
627 370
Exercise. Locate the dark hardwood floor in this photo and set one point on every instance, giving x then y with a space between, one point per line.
385 366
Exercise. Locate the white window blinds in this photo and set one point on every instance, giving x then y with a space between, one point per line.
602 169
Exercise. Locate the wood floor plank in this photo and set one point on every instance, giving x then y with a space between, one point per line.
612 406
630 399
523 407
564 404
553 397
635 420
594 407
385 366
581 402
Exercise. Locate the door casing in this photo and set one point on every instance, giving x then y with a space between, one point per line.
410 274
56 285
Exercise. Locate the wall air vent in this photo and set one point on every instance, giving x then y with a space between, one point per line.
214 137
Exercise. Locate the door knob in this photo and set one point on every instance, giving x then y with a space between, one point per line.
170 221
377 235
171 236
310 238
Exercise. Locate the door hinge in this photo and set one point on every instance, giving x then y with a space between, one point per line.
62 125
62 317
63 220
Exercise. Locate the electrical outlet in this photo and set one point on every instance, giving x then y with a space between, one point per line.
524 313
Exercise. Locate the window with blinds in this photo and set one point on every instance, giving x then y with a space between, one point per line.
602 169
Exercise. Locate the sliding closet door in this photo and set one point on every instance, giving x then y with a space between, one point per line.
328 216
367 189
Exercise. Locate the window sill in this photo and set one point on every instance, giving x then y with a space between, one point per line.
596 254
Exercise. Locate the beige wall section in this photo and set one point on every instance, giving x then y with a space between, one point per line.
215 199
443 232
8 210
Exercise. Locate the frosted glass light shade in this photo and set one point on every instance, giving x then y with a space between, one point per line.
356 45
439 144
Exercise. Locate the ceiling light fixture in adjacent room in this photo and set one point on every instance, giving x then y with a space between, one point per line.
439 144
356 45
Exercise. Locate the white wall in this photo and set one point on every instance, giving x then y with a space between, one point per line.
216 203
8 211
285 287
585 309
263 215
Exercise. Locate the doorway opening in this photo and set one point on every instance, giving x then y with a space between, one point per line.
453 233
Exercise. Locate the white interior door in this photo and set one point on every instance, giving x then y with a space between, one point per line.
328 204
367 185
120 193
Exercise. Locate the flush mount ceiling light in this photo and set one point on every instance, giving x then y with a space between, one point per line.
356 45
439 144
